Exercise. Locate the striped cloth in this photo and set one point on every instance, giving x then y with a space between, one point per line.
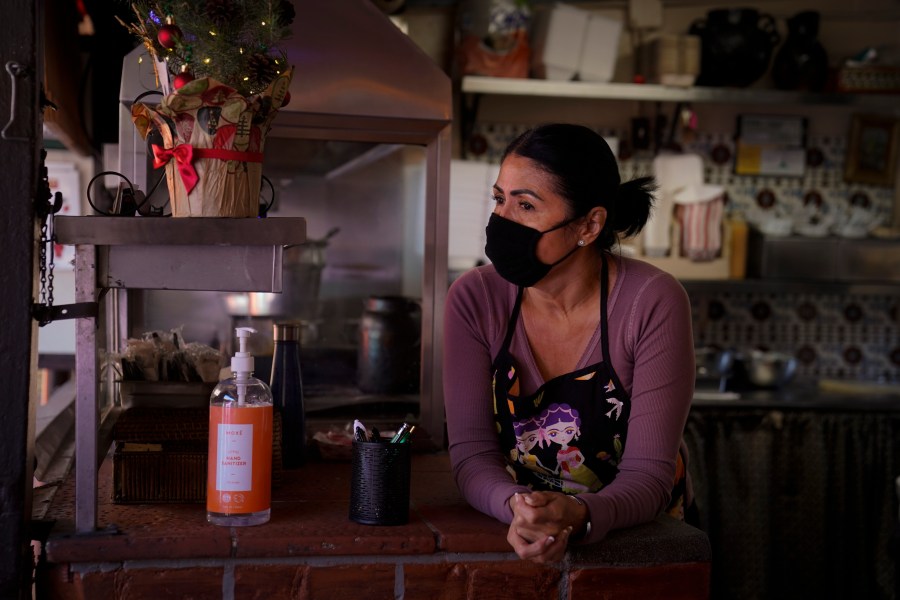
701 229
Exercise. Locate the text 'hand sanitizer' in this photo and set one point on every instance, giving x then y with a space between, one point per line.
239 472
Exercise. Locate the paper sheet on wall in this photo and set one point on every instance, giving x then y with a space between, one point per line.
65 178
761 160
771 145
471 183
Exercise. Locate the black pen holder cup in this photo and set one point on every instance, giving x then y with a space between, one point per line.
379 483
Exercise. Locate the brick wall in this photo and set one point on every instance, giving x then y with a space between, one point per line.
311 550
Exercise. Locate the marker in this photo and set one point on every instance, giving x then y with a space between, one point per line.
359 431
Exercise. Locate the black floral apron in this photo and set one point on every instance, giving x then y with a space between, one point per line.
570 434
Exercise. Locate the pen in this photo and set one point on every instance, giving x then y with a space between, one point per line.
407 435
398 437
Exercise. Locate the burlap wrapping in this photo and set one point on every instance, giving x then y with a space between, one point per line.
207 117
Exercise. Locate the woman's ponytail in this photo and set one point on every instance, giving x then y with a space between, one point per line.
631 210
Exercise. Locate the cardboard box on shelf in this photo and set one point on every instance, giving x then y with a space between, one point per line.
600 49
557 39
570 43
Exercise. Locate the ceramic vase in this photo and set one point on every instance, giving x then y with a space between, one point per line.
801 63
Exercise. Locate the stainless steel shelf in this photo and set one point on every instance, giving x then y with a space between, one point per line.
154 253
211 254
659 93
158 231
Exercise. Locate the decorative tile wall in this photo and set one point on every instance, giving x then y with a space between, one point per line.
822 188
833 335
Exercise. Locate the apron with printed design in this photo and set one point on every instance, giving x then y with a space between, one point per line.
570 434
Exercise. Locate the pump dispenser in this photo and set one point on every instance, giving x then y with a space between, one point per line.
239 475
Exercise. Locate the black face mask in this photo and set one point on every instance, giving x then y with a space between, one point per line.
512 247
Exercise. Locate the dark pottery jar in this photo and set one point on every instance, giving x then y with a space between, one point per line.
801 63
736 46
388 357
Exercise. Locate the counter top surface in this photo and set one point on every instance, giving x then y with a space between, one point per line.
806 396
310 519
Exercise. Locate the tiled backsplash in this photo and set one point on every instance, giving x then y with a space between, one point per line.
748 196
833 334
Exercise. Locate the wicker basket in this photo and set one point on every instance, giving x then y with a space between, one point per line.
869 78
161 455
162 472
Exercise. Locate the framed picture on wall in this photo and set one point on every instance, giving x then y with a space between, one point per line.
872 150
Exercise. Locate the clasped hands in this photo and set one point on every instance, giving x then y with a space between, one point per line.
542 525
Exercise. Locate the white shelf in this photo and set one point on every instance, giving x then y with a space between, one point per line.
684 268
659 93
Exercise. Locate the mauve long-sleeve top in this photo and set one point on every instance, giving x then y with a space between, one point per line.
651 348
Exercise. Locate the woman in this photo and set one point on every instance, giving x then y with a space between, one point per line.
593 348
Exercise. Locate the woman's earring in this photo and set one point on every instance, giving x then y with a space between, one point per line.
581 242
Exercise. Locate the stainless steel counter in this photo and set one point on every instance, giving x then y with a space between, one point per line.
806 396
832 259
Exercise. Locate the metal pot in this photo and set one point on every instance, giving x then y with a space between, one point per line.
302 266
768 369
714 365
389 352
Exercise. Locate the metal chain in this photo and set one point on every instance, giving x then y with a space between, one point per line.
51 241
48 237
42 262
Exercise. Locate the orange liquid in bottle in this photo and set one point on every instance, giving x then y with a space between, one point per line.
239 476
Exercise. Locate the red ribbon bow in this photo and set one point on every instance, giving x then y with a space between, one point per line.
184 158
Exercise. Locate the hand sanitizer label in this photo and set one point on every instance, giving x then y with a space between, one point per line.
234 458
239 475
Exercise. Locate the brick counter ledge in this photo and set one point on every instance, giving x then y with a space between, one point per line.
311 550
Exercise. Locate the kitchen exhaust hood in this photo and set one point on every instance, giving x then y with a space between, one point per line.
357 77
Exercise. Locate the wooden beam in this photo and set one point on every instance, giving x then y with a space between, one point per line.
21 34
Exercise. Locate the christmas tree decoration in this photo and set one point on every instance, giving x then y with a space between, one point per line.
261 68
169 35
183 78
237 39
230 79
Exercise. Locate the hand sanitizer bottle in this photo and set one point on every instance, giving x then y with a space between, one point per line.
239 472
